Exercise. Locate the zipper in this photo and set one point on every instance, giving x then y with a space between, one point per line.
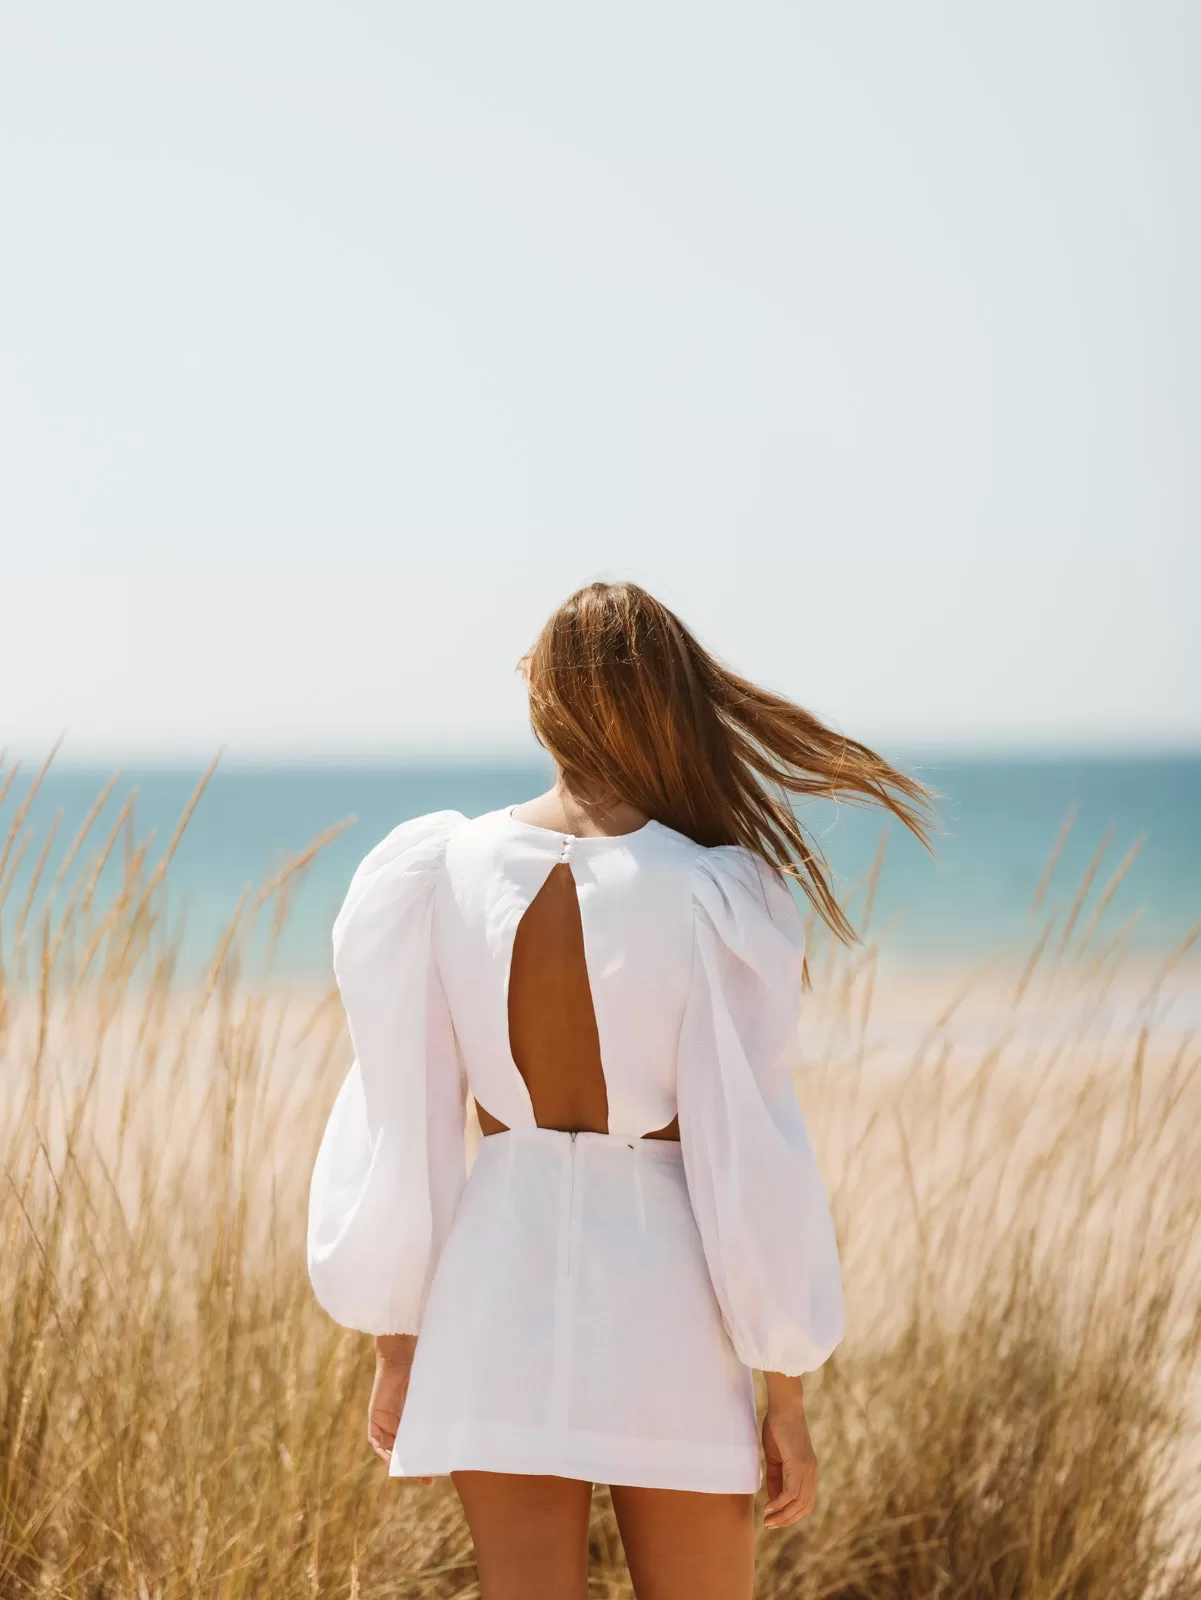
638 1194
571 1206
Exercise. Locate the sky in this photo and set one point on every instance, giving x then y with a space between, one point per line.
339 343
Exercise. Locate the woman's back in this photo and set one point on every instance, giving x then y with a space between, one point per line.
566 963
551 1018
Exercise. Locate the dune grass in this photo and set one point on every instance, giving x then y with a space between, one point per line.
1017 1183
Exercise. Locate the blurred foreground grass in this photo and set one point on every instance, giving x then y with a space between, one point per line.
1017 1183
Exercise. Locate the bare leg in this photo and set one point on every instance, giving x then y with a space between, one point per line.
530 1534
684 1546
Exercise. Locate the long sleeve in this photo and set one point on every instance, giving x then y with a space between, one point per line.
392 1159
752 1177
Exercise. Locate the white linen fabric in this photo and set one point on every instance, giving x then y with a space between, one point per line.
589 1305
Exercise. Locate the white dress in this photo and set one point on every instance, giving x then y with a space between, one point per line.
589 1305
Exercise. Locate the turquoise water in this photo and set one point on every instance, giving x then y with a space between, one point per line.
1001 819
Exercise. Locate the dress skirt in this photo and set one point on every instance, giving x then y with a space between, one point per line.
571 1327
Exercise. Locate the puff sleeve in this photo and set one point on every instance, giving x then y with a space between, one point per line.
752 1177
392 1158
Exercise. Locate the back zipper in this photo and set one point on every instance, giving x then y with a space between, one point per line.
571 1206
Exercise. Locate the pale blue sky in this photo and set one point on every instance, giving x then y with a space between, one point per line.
339 342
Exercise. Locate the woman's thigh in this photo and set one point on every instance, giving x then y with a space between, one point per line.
683 1546
530 1534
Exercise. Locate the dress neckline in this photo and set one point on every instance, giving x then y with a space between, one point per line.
575 839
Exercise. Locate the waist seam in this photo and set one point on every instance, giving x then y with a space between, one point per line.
587 1139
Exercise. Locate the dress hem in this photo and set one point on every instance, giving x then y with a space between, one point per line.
590 1457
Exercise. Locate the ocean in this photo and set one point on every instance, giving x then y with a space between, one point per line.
1001 817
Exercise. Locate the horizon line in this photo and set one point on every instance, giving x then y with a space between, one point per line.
499 757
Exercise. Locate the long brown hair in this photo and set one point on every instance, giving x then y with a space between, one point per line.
631 705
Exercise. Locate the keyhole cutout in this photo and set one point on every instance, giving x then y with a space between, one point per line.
553 1036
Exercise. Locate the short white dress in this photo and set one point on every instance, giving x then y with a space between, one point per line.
589 1305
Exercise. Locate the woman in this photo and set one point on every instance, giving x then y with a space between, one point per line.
612 972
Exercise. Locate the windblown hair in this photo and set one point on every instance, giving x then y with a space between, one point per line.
632 707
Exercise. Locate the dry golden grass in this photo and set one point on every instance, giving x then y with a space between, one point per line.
1017 1183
